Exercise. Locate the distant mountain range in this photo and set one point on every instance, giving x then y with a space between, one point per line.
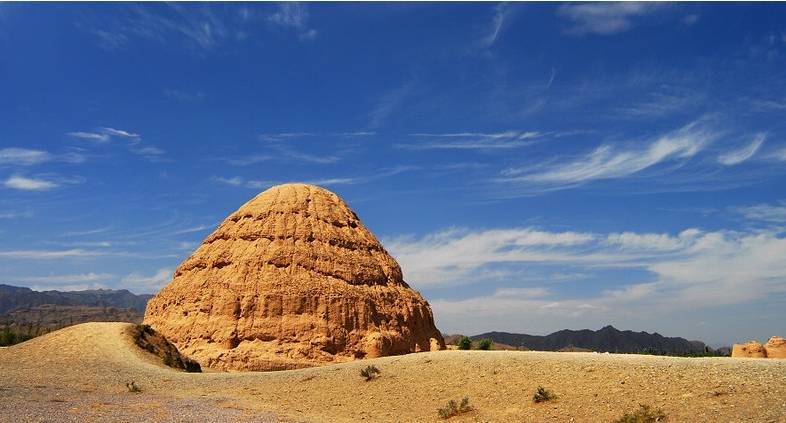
607 339
14 297
25 313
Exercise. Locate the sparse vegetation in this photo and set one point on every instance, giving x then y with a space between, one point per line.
542 395
465 343
645 414
370 372
7 337
147 338
708 352
485 344
133 387
454 409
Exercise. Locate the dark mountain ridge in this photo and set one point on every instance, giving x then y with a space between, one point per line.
607 339
14 297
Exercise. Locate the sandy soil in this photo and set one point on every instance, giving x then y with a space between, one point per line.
79 374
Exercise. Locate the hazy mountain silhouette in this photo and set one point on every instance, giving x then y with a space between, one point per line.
607 339
14 297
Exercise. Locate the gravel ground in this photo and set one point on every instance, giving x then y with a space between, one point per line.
79 374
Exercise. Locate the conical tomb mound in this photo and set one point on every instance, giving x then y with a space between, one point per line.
291 279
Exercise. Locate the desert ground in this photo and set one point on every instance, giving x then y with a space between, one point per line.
80 374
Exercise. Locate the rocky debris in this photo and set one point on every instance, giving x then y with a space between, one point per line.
752 349
776 347
291 279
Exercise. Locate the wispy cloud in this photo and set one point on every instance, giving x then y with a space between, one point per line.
15 215
455 254
283 136
141 283
610 162
734 157
89 136
248 160
388 103
260 184
292 154
682 272
605 18
24 183
203 28
764 212
103 134
184 96
50 254
23 156
501 12
15 156
294 16
66 279
133 141
472 140
119 133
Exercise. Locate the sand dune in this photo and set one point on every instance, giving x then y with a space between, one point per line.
79 374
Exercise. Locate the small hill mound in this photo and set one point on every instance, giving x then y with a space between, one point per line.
90 347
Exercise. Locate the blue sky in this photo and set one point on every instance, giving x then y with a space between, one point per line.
532 167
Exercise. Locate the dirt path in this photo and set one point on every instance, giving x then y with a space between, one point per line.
79 374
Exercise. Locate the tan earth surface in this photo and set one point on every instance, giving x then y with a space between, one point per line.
79 374
291 279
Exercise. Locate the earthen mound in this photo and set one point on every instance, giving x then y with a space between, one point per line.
291 279
776 347
751 349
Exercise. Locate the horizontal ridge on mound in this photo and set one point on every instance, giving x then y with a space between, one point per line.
291 279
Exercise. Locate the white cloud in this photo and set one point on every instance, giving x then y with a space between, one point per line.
608 162
14 215
29 184
49 254
388 103
184 96
202 27
23 156
765 212
133 142
103 134
248 160
605 18
15 156
684 272
501 11
139 282
649 241
235 181
450 256
473 140
66 279
293 15
118 133
90 136
738 156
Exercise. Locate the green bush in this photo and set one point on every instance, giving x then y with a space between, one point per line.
465 343
645 414
370 372
485 344
454 409
542 394
8 338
